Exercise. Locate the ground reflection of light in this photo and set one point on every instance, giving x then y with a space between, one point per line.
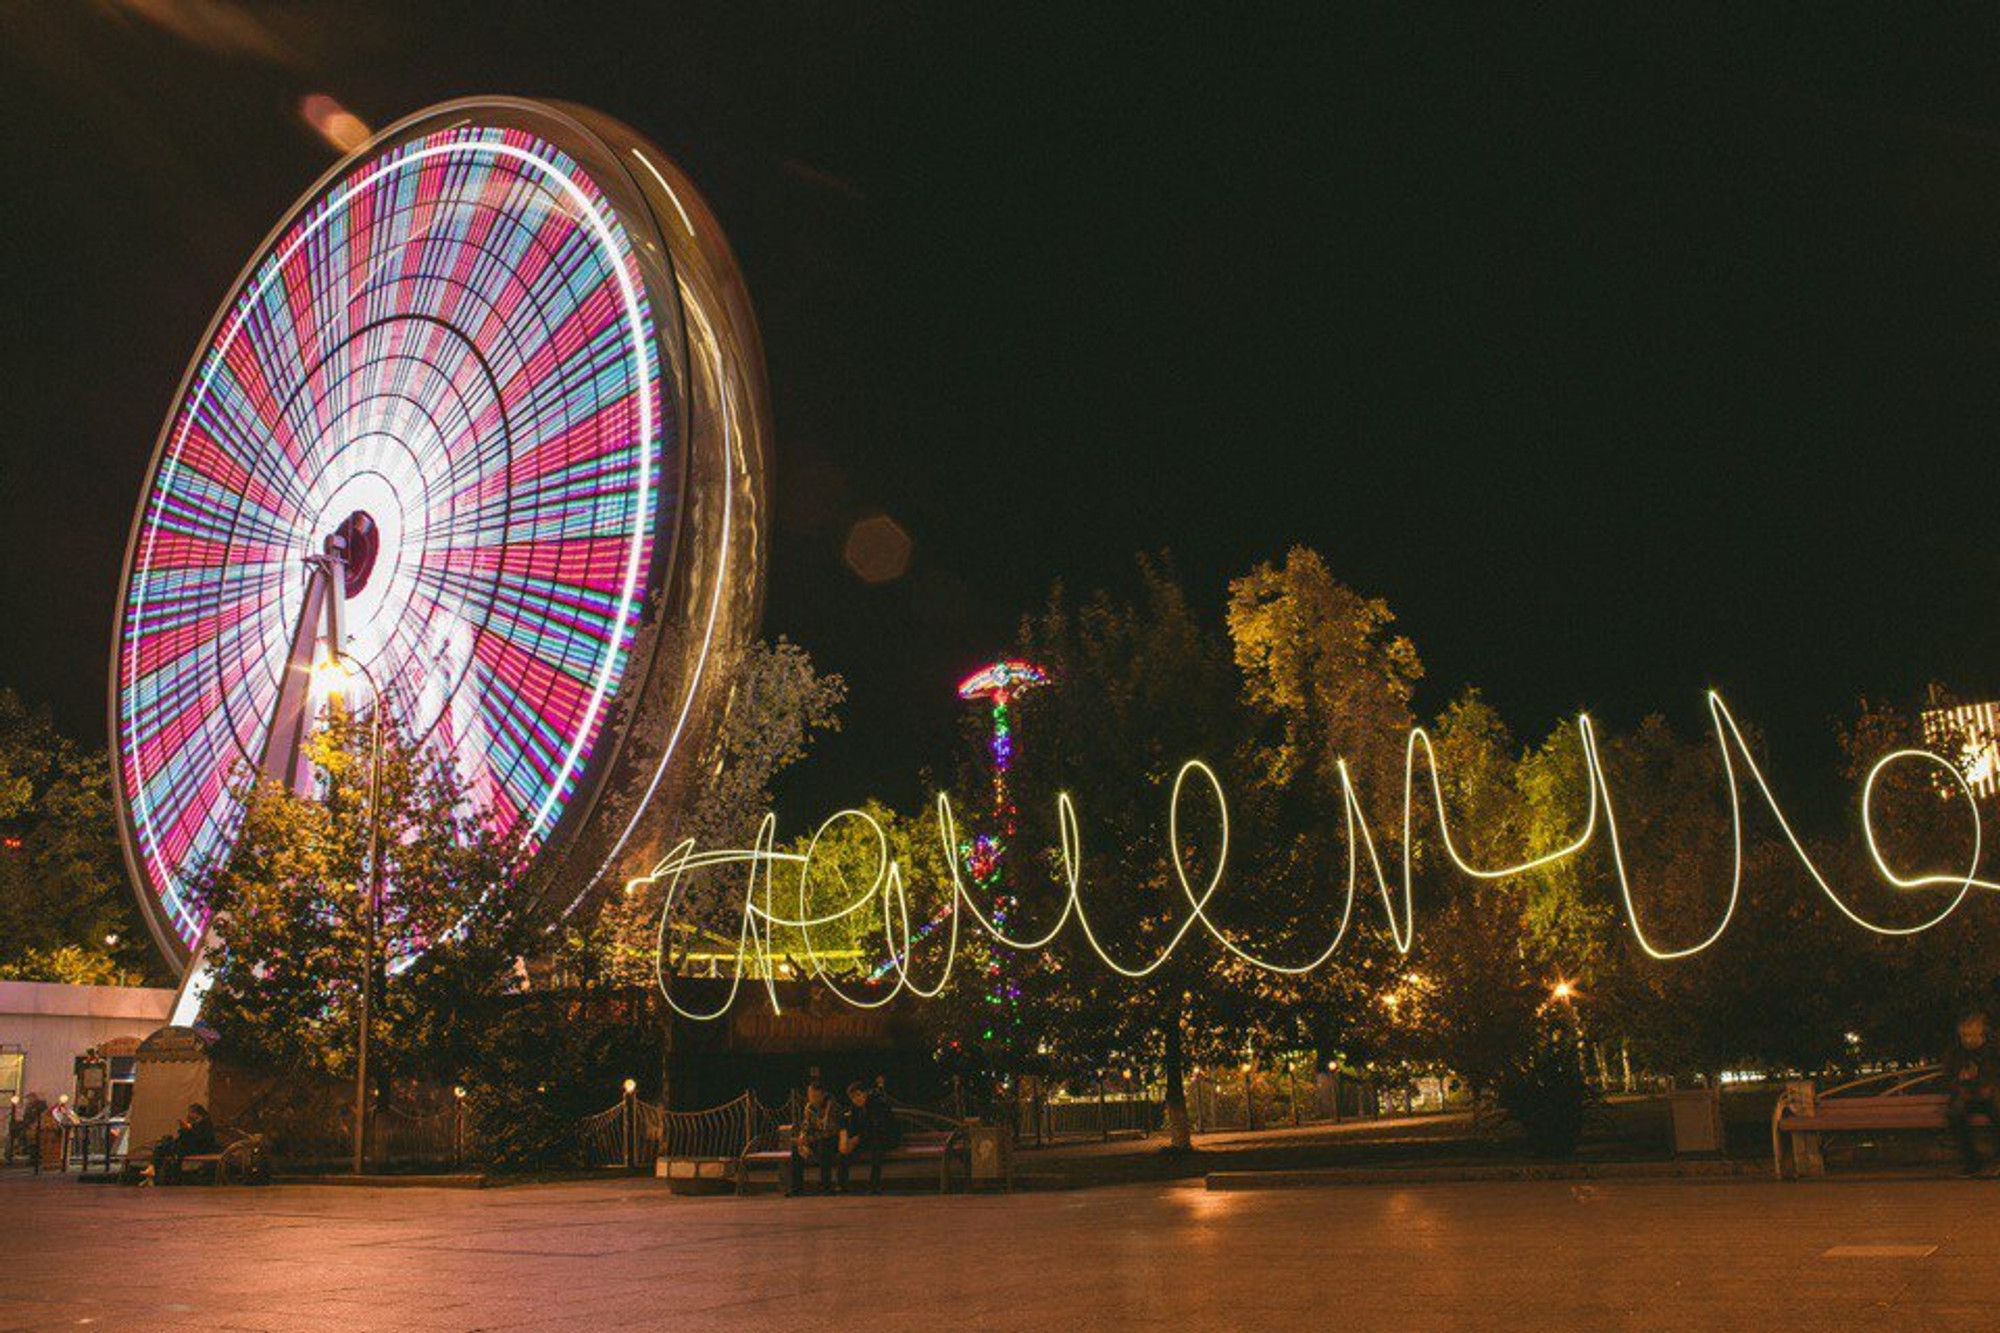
1204 1205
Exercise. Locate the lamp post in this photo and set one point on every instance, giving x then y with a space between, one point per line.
343 666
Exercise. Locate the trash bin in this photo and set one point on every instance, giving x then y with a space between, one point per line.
1696 1116
991 1148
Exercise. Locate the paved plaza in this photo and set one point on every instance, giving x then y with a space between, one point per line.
1542 1256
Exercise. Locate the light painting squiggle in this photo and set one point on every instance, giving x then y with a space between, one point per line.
762 916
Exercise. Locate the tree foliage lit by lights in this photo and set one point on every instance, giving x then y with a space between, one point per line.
290 903
779 703
66 912
1144 682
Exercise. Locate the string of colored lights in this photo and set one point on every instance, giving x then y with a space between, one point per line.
1002 682
985 854
761 916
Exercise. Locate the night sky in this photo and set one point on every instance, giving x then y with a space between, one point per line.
1622 362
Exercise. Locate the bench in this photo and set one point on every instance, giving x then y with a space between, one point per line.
245 1159
926 1138
1880 1103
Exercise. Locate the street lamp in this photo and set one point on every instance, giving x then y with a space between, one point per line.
335 671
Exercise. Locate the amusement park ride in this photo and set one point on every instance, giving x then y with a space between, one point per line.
484 423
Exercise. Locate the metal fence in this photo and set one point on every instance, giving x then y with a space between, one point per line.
1273 1098
1098 1117
411 1138
632 1133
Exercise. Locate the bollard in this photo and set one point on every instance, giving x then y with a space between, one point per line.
631 1126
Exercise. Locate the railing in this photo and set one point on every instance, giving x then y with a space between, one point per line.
632 1133
413 1138
1101 1117
103 1141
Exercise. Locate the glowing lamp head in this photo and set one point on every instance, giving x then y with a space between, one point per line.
333 676
631 1086
1563 991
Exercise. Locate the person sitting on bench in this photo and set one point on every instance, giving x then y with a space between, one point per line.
1972 1070
194 1138
871 1134
816 1138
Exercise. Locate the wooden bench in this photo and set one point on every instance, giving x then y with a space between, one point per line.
242 1159
926 1138
1901 1100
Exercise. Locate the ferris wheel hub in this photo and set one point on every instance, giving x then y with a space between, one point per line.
358 540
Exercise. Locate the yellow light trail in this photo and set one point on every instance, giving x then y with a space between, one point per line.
762 915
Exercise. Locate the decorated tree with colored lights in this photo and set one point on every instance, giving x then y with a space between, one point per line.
984 852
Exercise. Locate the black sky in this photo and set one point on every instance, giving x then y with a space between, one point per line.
1623 359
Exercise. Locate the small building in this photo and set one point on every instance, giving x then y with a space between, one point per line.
1968 735
45 1027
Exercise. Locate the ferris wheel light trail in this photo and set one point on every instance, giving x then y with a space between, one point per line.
761 917
459 367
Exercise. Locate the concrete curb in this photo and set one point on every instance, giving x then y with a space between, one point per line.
455 1182
1434 1175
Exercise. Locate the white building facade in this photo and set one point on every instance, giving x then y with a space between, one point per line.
44 1027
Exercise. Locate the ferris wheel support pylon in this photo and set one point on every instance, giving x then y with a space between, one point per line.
319 636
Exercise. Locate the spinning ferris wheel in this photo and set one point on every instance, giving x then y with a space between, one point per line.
486 416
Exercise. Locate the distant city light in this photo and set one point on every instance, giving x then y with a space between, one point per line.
1971 734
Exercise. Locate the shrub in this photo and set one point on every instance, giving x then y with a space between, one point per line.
1545 1093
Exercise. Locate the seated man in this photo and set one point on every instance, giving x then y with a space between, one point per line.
194 1138
1972 1072
871 1133
816 1138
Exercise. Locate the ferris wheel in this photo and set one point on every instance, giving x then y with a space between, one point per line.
485 415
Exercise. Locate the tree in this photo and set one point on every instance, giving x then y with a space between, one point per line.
780 702
66 909
1325 684
1142 685
1475 997
290 904
1322 670
1903 992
